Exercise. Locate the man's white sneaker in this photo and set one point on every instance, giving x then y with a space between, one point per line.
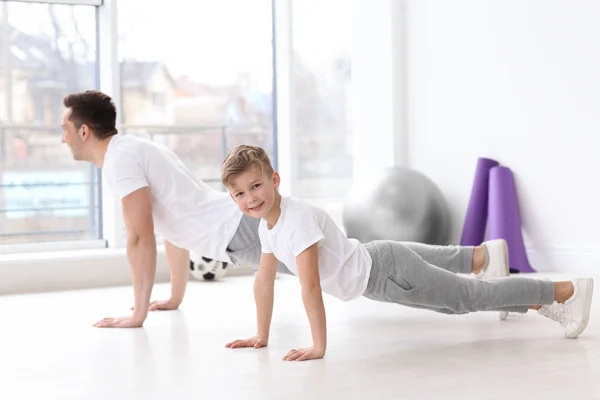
574 313
497 264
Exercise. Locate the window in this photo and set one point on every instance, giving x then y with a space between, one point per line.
159 101
202 83
46 52
322 40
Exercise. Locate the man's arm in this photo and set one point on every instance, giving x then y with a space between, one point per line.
179 267
141 253
264 288
308 272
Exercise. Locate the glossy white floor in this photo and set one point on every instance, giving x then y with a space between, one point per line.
48 350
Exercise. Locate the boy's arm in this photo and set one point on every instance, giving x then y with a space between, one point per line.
264 287
308 272
179 267
141 252
264 290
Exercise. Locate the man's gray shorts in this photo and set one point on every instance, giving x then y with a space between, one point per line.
245 246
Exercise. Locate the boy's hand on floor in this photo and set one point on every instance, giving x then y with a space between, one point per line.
256 341
309 353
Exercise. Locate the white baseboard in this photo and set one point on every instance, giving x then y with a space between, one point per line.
571 261
73 270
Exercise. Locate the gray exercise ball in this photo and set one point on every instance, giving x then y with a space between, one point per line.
398 204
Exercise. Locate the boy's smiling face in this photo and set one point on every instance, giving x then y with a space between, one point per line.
255 192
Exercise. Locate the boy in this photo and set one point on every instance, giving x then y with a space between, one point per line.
158 194
307 240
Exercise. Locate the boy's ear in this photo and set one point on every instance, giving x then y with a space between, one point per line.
276 179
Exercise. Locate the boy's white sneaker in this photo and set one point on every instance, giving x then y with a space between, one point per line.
497 264
574 313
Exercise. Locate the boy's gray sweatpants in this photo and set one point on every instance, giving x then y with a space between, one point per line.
424 276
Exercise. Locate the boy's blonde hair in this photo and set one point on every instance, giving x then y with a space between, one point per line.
241 159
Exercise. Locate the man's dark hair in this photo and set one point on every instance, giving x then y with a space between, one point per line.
94 109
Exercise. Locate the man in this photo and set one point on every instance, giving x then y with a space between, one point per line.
158 194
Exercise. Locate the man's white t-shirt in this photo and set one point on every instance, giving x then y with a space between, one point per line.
186 211
344 264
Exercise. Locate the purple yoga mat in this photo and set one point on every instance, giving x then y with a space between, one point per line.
474 227
504 219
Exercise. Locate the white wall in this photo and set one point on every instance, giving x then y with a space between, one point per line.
517 81
378 93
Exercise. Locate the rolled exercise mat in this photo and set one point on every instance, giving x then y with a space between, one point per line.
504 219
474 227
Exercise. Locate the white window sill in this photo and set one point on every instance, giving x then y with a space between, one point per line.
44 247
74 270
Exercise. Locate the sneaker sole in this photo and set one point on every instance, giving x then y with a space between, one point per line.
586 310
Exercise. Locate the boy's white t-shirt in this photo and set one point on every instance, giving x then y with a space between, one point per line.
344 264
186 211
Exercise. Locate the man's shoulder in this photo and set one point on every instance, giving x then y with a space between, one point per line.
128 144
125 158
126 149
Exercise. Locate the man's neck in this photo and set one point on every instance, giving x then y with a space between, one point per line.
99 152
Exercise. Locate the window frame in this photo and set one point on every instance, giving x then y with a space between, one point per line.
65 2
108 217
110 224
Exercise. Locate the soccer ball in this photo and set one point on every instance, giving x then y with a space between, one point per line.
207 269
